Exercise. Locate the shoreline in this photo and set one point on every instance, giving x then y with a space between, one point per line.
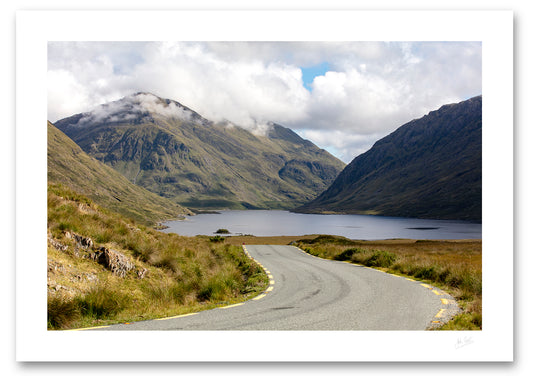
287 239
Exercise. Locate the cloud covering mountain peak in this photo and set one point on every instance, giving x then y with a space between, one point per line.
138 106
365 90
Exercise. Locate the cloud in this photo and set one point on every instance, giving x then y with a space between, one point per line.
344 144
151 103
243 92
132 106
371 88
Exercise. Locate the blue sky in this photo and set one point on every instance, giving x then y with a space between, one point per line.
343 96
309 73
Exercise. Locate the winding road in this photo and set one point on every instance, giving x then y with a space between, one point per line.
309 293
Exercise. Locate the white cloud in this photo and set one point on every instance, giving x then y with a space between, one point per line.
151 103
130 107
371 89
345 145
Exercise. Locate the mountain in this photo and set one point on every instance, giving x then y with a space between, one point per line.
427 168
70 166
173 151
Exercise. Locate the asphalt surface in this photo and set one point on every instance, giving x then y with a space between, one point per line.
309 293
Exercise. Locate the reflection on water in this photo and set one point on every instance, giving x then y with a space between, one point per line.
368 227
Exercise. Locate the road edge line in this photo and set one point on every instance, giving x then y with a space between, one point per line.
449 301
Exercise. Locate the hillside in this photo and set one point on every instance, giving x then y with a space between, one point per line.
174 152
427 168
104 268
70 166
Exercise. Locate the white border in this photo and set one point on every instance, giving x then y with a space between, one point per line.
35 29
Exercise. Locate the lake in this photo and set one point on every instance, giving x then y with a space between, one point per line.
364 227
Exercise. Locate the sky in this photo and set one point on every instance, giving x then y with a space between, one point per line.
343 96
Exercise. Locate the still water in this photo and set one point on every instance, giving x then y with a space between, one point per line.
365 227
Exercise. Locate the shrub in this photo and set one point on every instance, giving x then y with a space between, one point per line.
163 294
102 302
222 231
217 239
213 290
382 259
347 254
426 272
329 239
61 312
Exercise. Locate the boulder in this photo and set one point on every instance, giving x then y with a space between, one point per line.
142 273
115 261
83 242
57 245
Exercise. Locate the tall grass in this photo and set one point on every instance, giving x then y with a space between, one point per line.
184 274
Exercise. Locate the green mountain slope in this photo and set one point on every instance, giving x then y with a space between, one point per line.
427 168
172 151
70 166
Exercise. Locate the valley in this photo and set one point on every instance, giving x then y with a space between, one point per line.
120 170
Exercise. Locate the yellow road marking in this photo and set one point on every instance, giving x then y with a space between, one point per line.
444 301
259 297
440 313
426 286
175 317
80 329
272 282
409 279
436 292
231 306
270 289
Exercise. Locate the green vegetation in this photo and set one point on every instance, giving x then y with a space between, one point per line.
217 238
179 274
454 266
203 165
427 168
222 231
72 167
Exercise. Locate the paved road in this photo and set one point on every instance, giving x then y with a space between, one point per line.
308 293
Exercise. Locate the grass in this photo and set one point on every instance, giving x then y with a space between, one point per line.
211 167
70 166
186 274
183 274
454 266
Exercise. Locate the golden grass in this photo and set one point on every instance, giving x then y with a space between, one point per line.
184 274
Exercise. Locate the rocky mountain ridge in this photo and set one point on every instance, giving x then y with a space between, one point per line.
176 153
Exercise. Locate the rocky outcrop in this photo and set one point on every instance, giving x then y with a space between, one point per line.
82 241
142 273
115 261
56 244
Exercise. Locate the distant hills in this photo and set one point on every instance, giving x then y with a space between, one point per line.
427 168
70 166
174 152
